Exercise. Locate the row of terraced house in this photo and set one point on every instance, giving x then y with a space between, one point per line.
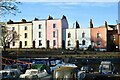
56 33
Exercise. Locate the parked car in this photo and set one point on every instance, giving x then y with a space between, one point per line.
106 67
64 72
62 64
14 66
71 48
10 73
34 73
86 69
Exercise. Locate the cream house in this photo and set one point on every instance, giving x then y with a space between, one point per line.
24 30
71 38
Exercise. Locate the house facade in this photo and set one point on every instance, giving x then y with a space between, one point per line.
55 30
39 33
83 38
112 38
99 38
71 38
24 30
79 38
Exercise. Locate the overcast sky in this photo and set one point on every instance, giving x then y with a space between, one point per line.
77 10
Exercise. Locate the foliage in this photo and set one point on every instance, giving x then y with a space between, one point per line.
8 6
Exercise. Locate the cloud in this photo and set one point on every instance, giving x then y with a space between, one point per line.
68 0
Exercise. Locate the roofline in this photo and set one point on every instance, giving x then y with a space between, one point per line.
19 22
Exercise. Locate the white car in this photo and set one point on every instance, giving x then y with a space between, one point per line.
10 73
34 73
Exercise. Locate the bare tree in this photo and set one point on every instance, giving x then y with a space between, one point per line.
8 6
8 37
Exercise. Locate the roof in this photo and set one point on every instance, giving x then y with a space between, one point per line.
65 68
106 62
19 22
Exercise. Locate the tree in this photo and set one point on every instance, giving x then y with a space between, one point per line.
8 6
7 37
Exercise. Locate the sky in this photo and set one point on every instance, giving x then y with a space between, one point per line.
81 11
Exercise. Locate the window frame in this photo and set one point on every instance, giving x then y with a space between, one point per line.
69 35
25 43
25 35
40 34
83 42
83 35
69 43
40 42
39 26
98 43
54 34
13 43
25 28
54 25
98 35
54 42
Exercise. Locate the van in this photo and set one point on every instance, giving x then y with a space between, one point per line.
106 67
64 72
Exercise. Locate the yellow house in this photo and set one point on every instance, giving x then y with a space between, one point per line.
24 30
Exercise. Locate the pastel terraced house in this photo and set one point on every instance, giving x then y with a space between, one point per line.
56 32
39 33
24 30
83 38
71 38
99 38
77 37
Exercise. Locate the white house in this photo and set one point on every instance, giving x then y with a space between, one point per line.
71 38
39 33
83 38
78 38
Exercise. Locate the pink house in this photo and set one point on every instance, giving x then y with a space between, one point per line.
56 32
99 38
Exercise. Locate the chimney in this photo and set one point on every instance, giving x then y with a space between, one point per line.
36 19
50 17
91 24
23 20
106 25
10 21
77 25
64 17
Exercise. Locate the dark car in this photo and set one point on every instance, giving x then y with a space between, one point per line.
86 69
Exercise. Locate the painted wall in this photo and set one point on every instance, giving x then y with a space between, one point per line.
19 28
70 41
22 32
64 27
86 38
58 33
9 26
36 31
102 39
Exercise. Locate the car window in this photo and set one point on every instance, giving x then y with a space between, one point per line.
12 73
4 74
34 72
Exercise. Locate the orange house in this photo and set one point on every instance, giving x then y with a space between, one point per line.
99 38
